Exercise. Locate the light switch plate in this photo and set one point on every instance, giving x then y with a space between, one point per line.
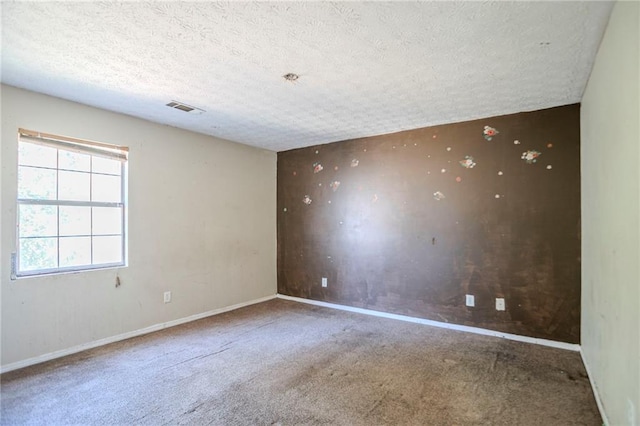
470 300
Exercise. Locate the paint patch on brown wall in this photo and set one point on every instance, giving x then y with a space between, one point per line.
411 222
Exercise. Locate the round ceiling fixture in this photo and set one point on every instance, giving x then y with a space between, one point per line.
291 76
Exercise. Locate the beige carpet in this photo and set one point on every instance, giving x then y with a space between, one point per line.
288 363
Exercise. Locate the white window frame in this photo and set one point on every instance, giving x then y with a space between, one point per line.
97 149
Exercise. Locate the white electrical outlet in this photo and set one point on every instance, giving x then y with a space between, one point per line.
167 296
471 300
324 282
499 304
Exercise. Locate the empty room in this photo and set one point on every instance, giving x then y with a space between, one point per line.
305 213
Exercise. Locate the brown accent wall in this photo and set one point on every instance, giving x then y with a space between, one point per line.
423 217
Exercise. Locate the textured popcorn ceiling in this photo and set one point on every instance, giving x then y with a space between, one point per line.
365 68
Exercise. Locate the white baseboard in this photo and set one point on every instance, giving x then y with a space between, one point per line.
594 388
476 330
83 347
79 348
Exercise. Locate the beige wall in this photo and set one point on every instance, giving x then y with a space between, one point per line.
201 224
610 216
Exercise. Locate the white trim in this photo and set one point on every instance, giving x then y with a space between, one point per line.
594 388
90 345
476 330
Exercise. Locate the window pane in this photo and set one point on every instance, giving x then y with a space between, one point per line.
87 231
107 220
30 154
106 188
74 161
75 251
38 253
107 250
73 186
105 165
36 184
37 221
75 221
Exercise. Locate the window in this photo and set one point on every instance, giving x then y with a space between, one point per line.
71 204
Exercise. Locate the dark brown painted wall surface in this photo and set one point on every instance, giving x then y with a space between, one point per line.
411 222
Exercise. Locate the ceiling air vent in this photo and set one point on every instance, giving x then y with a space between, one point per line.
185 107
